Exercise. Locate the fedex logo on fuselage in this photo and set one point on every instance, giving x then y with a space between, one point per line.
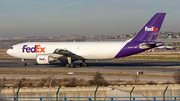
43 59
35 49
153 28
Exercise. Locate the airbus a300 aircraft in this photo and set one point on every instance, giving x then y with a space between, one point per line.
68 52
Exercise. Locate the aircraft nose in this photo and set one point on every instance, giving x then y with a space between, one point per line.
8 52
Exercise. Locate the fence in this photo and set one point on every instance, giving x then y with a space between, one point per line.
88 98
129 96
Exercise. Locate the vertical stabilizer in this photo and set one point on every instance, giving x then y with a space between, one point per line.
150 31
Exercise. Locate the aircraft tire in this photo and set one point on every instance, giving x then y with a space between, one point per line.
67 65
85 65
24 64
81 64
72 65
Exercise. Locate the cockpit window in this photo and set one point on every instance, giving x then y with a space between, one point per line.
11 48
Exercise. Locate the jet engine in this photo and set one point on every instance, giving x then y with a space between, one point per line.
45 59
147 45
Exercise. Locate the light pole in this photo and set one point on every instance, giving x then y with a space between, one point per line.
51 82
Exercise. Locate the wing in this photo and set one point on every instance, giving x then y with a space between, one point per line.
61 54
65 52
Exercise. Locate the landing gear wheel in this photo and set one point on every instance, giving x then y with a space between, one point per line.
72 65
24 64
83 65
67 65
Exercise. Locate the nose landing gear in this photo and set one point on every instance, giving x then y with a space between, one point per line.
24 62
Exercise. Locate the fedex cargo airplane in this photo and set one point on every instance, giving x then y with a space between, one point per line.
68 52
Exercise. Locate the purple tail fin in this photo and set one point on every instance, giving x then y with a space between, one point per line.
150 31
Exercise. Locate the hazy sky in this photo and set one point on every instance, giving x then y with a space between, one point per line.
83 17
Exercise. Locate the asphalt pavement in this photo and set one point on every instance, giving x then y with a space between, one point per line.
110 66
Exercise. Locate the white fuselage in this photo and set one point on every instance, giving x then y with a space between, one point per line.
87 50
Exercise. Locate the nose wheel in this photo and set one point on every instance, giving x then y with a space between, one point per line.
24 62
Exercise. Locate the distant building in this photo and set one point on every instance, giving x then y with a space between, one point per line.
170 35
127 36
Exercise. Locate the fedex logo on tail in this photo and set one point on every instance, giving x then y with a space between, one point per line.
153 28
35 49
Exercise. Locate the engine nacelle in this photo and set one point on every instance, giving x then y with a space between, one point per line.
147 45
44 59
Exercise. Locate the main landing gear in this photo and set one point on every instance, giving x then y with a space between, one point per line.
70 63
24 62
83 64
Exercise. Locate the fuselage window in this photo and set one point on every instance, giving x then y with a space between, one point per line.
11 48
